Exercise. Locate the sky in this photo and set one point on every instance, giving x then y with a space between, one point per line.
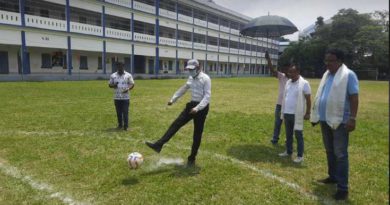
302 13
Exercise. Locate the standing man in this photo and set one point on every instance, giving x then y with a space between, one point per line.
122 82
295 108
335 108
196 109
282 78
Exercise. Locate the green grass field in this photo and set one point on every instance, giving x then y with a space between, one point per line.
58 145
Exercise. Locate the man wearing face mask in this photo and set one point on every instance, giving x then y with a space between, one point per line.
122 82
196 109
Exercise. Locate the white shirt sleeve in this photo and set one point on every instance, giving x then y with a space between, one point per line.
131 80
306 89
206 97
111 80
180 92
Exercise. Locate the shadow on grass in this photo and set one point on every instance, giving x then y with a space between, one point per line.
175 171
261 153
113 129
130 181
325 192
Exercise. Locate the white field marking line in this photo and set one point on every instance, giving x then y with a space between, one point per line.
15 173
265 173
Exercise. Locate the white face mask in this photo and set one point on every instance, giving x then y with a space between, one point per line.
193 72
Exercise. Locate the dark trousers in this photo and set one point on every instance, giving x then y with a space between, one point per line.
278 123
122 112
289 121
336 146
184 117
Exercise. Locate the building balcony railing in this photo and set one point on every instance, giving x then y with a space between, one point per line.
86 29
224 29
45 23
184 44
125 3
144 7
233 51
167 41
213 26
7 17
224 49
144 38
184 18
200 22
234 31
212 48
200 46
116 33
168 14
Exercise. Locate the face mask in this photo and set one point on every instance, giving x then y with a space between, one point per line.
193 73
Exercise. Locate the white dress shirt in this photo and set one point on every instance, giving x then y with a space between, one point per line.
200 90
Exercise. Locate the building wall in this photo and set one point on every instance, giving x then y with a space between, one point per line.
51 35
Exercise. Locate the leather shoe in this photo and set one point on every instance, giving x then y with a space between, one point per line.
153 146
341 195
327 181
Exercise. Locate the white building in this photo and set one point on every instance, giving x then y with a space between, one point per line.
49 38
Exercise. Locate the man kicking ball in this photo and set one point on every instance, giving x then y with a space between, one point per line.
196 109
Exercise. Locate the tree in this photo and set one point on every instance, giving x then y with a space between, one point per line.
363 37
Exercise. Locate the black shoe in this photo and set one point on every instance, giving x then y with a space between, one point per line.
119 127
125 128
327 181
153 146
274 142
341 195
190 163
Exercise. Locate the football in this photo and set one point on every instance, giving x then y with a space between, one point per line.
135 160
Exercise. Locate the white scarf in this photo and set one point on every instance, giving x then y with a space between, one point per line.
301 104
336 99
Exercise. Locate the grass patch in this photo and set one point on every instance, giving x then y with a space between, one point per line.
61 133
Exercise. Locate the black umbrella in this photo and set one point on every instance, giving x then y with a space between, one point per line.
268 27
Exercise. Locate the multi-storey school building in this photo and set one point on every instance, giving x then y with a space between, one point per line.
151 37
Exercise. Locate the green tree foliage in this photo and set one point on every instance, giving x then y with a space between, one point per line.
363 37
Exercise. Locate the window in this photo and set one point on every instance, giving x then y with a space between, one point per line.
224 43
167 32
57 59
83 63
199 38
44 9
116 22
234 44
184 35
170 65
247 47
149 2
224 22
46 60
142 27
184 10
234 25
241 45
213 19
7 5
199 14
85 16
44 13
212 40
168 5
100 63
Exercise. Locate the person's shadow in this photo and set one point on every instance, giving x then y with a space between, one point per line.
176 171
261 153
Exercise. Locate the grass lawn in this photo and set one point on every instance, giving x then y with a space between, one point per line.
58 145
